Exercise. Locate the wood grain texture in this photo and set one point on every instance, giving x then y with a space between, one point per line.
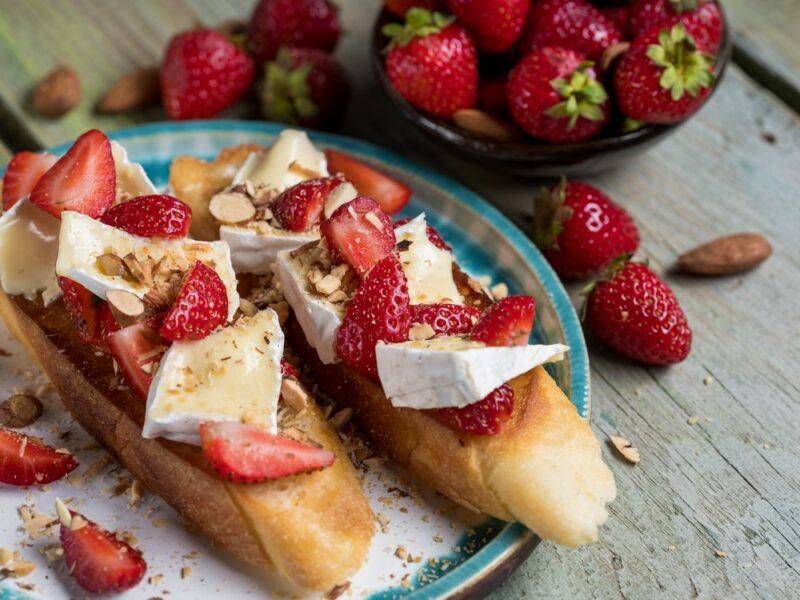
730 482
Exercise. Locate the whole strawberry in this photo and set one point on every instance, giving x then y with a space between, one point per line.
634 312
663 78
620 16
702 19
399 8
573 24
293 23
304 86
432 63
203 73
496 24
580 230
553 94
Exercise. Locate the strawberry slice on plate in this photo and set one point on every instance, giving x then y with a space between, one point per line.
26 461
200 306
507 322
360 234
82 307
23 173
136 348
379 311
390 194
247 454
446 319
98 561
433 235
84 179
299 208
151 216
485 417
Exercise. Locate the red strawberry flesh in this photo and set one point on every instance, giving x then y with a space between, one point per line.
82 307
200 306
25 461
247 454
151 216
390 194
507 322
485 417
445 319
22 174
136 349
292 23
495 24
299 208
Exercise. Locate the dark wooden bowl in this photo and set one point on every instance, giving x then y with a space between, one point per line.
529 157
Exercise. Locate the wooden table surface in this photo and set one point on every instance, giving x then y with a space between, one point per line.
730 483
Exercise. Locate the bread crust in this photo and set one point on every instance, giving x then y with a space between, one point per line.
312 529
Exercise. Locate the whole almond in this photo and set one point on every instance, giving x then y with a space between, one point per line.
727 255
138 89
20 410
57 93
482 124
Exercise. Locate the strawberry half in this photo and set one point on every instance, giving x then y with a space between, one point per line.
507 322
247 454
151 216
200 306
26 461
22 174
446 319
379 311
136 348
82 307
83 180
390 194
433 235
299 208
107 321
360 234
485 417
98 561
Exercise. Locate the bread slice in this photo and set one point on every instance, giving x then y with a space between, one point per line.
544 469
312 529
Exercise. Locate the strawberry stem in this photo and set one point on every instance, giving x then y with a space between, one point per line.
419 23
582 94
685 68
285 93
549 215
682 6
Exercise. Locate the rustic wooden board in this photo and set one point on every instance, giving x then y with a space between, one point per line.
731 482
767 45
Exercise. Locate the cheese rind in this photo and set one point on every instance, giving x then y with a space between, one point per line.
255 247
318 318
452 372
234 374
132 180
428 269
83 240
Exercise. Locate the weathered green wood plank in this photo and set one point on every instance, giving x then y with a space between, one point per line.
767 44
100 39
5 153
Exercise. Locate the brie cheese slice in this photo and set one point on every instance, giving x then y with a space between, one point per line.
234 374
429 269
83 240
453 372
28 250
290 160
132 181
318 318
255 246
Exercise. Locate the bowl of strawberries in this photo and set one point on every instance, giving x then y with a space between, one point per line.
550 87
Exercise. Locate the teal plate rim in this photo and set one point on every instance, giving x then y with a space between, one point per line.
482 571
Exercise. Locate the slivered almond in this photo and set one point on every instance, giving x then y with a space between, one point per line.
499 291
231 208
63 513
342 417
248 308
374 220
328 284
420 331
111 265
293 394
625 448
125 303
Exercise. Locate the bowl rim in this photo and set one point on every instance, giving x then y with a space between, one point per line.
530 148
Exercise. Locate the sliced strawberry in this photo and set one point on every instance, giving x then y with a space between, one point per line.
390 194
507 322
433 235
299 208
108 324
136 348
287 370
99 561
379 311
247 454
26 461
22 174
83 179
200 306
360 234
82 307
446 319
486 417
151 216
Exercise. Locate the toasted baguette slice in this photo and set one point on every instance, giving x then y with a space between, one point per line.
312 529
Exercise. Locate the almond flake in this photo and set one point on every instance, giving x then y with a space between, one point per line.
136 492
337 591
374 220
693 420
499 291
625 448
63 513
231 208
125 303
78 522
342 417
328 284
401 552
293 394
111 265
248 308
299 169
720 553
186 572
420 331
